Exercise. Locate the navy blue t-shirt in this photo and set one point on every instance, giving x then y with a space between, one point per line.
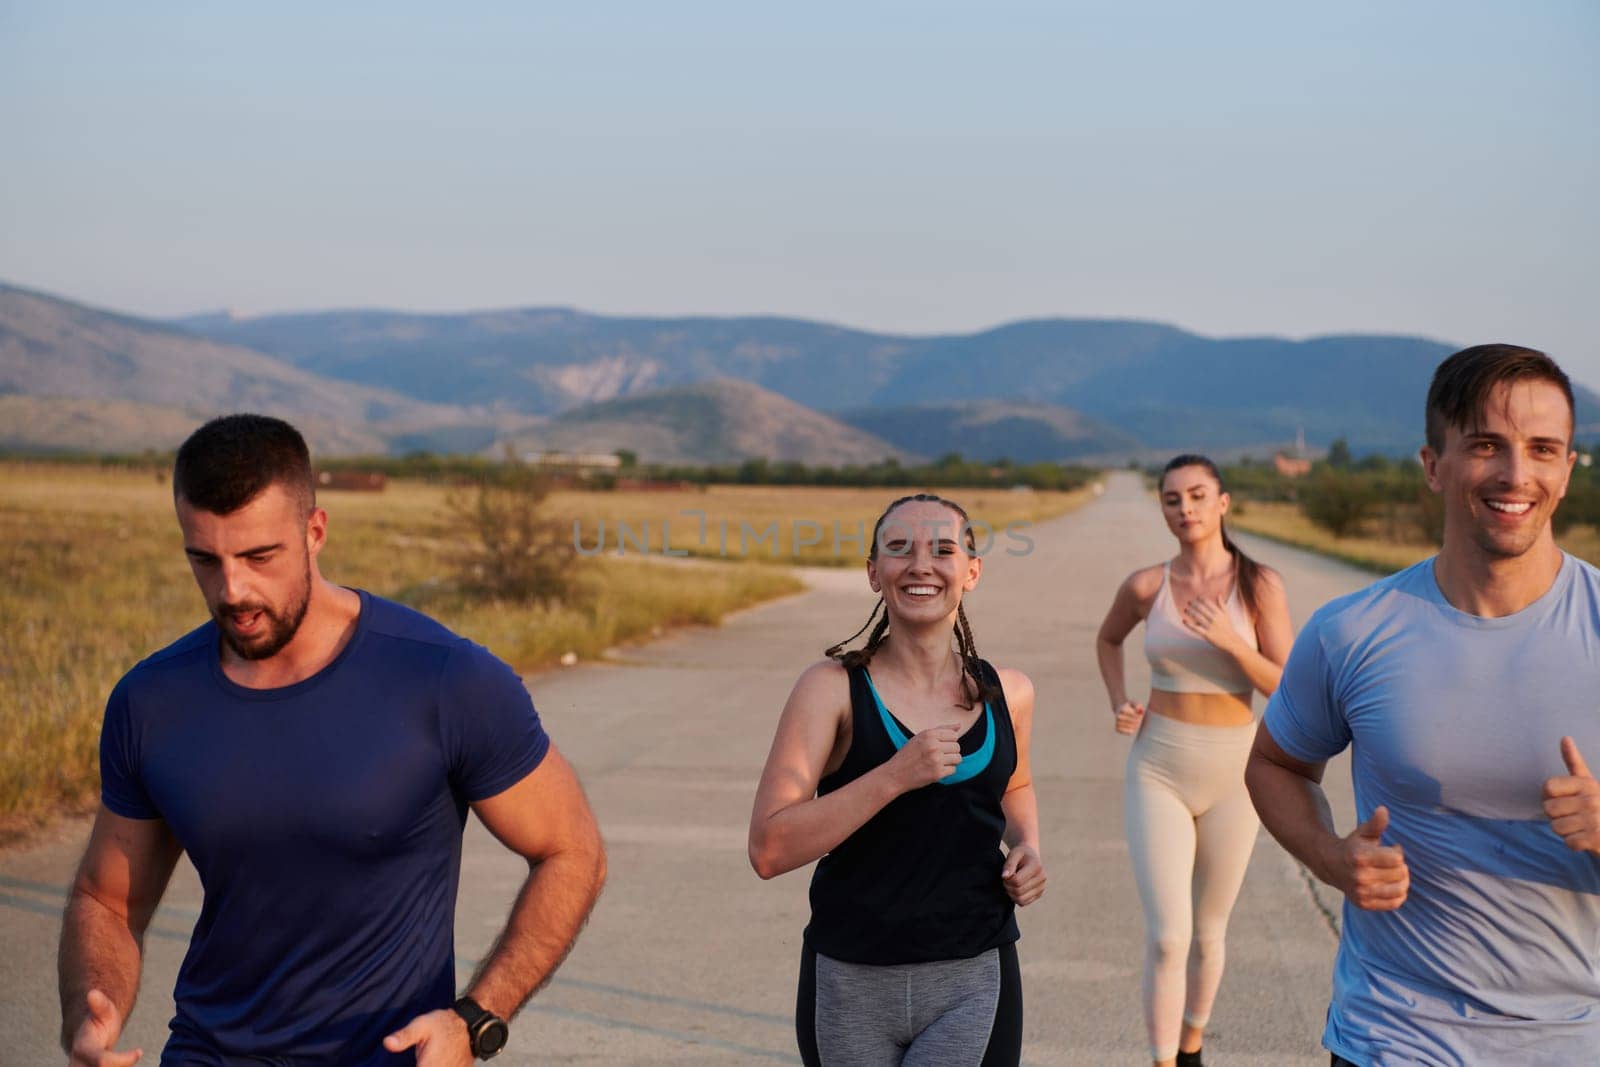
325 821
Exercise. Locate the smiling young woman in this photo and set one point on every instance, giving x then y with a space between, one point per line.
902 767
1216 631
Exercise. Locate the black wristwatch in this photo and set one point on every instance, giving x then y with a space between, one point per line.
486 1030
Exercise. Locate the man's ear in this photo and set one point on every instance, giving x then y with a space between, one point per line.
1566 482
1430 466
316 530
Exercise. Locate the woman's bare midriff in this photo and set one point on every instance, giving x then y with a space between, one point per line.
1202 709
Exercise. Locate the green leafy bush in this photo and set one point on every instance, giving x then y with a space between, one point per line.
506 547
1338 501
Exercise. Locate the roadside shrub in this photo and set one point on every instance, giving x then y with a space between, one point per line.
1430 514
1581 506
1257 481
1337 501
506 547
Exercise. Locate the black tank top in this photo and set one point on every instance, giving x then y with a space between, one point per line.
920 881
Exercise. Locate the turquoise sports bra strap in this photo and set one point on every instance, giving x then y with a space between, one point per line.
971 765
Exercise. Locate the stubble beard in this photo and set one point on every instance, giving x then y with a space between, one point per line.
1501 549
1511 544
281 627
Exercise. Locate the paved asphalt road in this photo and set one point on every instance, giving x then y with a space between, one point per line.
690 958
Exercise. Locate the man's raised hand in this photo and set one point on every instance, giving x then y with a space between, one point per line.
1372 875
1572 802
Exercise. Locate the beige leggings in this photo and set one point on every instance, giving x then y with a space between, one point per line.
1190 829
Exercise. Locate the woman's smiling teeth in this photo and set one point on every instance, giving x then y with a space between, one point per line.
921 590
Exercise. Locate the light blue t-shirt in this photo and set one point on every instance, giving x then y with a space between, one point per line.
1455 722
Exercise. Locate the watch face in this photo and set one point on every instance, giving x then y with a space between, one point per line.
492 1038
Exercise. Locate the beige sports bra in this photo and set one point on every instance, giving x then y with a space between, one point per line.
1181 661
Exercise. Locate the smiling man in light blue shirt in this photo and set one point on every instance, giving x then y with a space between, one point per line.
1468 687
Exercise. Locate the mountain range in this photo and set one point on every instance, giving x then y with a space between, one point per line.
1164 387
699 389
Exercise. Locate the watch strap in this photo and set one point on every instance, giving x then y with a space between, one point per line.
470 1011
478 1019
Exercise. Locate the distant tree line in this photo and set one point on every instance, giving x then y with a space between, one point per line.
950 471
149 459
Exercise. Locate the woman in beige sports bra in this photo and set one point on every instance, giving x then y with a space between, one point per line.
1216 632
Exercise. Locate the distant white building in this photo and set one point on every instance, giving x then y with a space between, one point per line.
573 461
1294 464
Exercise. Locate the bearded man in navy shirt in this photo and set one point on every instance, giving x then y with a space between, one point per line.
314 749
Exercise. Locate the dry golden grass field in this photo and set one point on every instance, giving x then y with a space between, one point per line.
809 526
92 578
1284 522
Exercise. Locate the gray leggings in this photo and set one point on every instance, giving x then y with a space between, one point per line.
948 1013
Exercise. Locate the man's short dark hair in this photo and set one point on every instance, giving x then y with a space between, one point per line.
228 461
1462 385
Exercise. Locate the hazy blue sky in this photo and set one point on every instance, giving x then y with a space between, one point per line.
1426 167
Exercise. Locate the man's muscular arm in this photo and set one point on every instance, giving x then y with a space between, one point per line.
1287 794
545 819
124 872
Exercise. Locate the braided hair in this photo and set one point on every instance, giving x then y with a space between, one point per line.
975 686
